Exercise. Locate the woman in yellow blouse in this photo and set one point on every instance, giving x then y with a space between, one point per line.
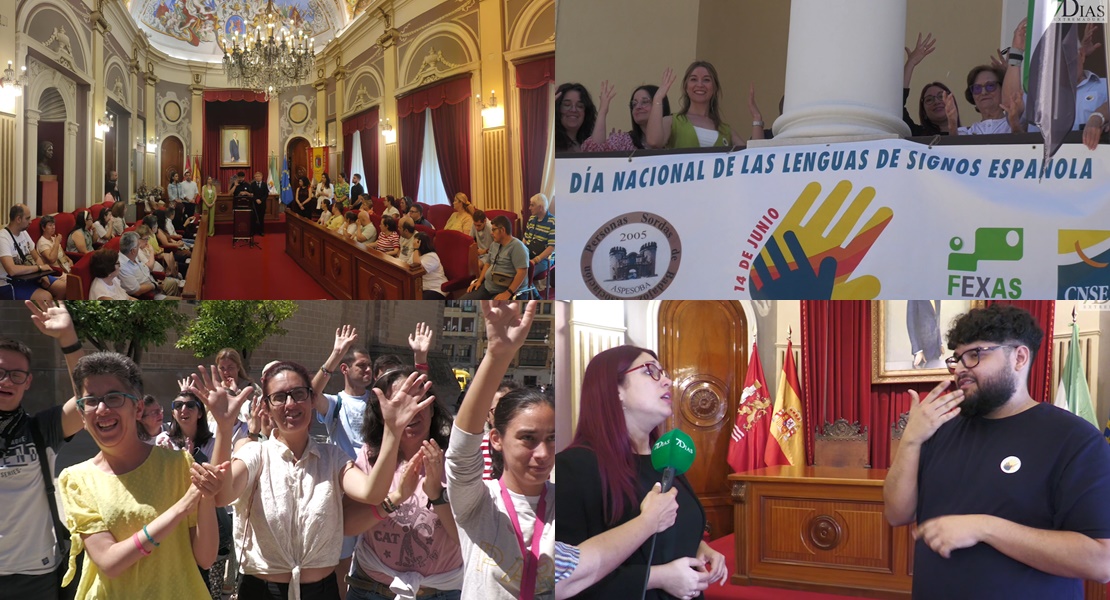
462 219
143 515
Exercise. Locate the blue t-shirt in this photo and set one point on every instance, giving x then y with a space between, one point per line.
345 428
1044 468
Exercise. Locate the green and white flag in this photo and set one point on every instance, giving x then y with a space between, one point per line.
1051 71
1073 394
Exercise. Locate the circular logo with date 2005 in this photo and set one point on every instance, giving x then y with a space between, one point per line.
633 256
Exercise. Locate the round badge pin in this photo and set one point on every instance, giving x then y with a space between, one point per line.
1010 464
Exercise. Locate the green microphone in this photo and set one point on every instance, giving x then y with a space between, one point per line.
672 454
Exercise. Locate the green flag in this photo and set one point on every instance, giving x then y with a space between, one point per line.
1073 394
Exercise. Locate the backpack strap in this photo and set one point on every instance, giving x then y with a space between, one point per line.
48 480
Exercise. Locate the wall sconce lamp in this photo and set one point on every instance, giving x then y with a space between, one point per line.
388 133
493 116
152 144
105 123
12 83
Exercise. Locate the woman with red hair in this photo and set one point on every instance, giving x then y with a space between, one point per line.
626 396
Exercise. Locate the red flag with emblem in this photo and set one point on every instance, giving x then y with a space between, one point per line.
753 420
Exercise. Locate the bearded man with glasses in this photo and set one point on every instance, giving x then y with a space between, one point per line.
30 554
1008 493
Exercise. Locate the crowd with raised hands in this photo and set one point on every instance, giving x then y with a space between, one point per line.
399 477
994 89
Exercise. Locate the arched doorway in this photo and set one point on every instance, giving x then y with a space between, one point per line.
708 371
173 159
299 154
51 155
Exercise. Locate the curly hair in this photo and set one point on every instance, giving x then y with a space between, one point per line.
108 363
373 424
997 323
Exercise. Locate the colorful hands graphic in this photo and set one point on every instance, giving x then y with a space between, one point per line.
778 275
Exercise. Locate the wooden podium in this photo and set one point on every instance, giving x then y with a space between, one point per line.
241 222
47 195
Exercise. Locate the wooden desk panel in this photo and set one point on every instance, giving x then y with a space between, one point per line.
225 213
347 270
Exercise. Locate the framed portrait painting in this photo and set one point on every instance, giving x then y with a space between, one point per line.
235 146
907 338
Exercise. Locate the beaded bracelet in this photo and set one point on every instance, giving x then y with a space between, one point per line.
139 544
150 537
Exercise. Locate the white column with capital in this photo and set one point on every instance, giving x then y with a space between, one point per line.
31 158
844 63
69 186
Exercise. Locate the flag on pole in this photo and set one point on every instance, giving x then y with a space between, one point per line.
1051 73
1073 395
188 166
196 170
286 189
786 444
753 420
270 178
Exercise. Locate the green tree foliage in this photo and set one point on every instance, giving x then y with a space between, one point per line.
126 327
239 324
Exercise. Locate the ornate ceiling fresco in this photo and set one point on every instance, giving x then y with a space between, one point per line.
190 29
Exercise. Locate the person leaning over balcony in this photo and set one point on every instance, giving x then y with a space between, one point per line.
984 90
639 107
698 124
930 105
574 117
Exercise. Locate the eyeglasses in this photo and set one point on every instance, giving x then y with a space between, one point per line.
569 106
935 98
298 394
183 404
645 102
987 88
653 370
89 404
970 358
14 375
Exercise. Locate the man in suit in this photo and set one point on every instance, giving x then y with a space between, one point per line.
923 327
233 147
260 191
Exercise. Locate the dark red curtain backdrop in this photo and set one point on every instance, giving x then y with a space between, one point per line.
234 108
836 372
366 122
451 131
532 79
410 111
348 139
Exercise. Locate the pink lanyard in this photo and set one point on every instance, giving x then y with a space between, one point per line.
532 559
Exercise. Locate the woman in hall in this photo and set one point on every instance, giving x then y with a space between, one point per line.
343 191
626 396
325 193
268 517
116 223
574 117
50 245
462 219
698 124
417 544
81 238
931 108
390 209
208 195
143 516
984 91
639 107
424 254
302 203
498 565
104 267
102 228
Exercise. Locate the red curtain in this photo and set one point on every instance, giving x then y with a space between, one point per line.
410 111
836 372
450 126
234 108
412 148
348 139
369 142
533 79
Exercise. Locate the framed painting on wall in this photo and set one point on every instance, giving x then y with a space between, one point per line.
907 338
235 149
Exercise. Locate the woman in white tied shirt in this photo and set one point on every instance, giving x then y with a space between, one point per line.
325 193
497 565
288 490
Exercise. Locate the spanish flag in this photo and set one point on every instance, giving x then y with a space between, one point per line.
786 446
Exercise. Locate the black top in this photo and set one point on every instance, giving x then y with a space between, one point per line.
356 191
579 510
1044 468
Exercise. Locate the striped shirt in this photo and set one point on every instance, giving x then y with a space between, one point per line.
487 460
566 560
540 231
387 241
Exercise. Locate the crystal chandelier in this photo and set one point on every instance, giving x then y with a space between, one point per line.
271 58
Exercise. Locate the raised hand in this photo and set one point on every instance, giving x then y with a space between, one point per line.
506 327
952 112
221 405
1018 42
1088 45
999 60
665 85
752 106
1015 111
259 421
923 47
410 476
345 336
927 415
433 468
405 403
608 92
420 340
801 282
53 321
